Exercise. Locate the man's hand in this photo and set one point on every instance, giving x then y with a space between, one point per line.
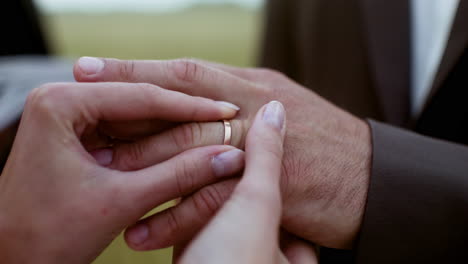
246 229
64 198
327 151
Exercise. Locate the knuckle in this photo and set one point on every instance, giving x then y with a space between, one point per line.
186 135
184 177
128 157
208 200
263 91
127 70
46 98
173 223
271 83
149 91
187 70
135 152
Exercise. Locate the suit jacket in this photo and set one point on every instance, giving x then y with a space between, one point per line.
356 53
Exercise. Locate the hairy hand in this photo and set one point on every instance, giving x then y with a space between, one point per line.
246 229
326 166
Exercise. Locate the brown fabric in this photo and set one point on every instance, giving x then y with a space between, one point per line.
417 202
387 31
320 44
356 53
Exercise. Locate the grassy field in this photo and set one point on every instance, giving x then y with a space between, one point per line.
223 34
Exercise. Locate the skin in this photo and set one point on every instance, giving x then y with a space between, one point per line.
64 199
246 229
326 166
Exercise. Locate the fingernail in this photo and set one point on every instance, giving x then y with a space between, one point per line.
230 105
228 163
274 114
90 65
103 156
137 235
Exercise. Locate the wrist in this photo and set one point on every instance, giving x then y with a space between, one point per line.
333 177
349 180
20 242
9 241
356 188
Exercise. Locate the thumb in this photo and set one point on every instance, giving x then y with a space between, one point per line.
298 251
246 228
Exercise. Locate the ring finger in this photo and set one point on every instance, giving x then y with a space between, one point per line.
160 147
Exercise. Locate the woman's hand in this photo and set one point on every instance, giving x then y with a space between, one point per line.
327 151
246 229
63 198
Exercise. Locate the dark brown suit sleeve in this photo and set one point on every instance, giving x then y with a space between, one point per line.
417 208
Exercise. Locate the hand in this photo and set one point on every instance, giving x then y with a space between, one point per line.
63 199
246 229
327 151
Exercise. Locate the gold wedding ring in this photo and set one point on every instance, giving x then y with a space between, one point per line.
227 132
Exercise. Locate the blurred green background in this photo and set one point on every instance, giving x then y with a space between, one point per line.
224 33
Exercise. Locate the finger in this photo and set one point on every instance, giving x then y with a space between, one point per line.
187 76
249 74
282 258
248 223
92 102
134 129
264 145
157 148
265 76
145 189
160 147
179 249
300 252
181 223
